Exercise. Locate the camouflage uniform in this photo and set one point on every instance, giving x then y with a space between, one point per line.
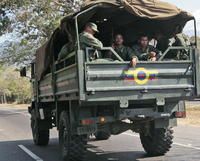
124 52
182 40
66 49
142 54
178 40
88 40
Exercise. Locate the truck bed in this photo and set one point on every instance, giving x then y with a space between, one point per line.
117 81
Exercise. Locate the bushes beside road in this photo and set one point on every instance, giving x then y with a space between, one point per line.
13 88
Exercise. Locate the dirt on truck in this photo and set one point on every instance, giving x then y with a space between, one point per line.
86 93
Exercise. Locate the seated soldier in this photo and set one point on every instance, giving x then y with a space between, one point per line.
87 38
144 51
181 40
67 48
124 52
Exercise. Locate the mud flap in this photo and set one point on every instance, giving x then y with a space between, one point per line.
165 123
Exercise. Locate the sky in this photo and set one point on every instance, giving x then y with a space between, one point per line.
192 6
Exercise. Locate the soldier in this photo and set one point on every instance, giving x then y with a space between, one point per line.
182 40
144 51
124 52
179 39
87 38
67 48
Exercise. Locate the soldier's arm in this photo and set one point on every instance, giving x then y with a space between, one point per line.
132 57
180 41
140 56
158 52
131 54
144 56
92 42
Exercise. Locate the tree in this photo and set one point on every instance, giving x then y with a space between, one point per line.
33 22
13 88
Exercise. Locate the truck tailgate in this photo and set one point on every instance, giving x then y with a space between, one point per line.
146 81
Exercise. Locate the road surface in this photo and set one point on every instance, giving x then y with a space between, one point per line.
16 143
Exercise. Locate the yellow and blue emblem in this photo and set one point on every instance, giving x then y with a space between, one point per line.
141 75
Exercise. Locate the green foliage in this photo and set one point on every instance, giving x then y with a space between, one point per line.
33 22
15 88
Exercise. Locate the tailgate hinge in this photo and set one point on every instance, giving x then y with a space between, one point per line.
160 101
124 103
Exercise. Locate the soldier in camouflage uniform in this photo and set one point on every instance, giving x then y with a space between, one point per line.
179 39
87 38
144 51
182 40
126 53
66 49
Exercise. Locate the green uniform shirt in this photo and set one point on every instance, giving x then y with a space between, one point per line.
88 40
124 52
66 49
142 54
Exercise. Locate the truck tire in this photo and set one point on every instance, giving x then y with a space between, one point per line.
157 142
73 147
40 137
102 135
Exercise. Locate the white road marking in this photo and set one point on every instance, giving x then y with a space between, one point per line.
25 114
136 135
187 146
31 154
179 144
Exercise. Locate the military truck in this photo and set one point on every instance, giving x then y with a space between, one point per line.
84 94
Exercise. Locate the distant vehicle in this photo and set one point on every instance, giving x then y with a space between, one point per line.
84 94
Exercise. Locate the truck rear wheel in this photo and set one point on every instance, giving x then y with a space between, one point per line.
102 135
157 142
73 147
40 137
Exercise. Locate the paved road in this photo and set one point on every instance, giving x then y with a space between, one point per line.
15 139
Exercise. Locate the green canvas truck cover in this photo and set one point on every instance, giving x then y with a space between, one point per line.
139 13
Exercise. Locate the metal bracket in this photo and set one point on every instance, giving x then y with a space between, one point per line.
124 103
160 101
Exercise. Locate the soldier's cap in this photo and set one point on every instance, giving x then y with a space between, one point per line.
93 26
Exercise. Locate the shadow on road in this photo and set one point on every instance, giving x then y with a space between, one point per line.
9 151
114 156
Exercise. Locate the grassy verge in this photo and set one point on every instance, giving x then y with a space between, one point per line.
15 105
193 115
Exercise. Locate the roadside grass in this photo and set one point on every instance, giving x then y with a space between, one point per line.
192 115
14 105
